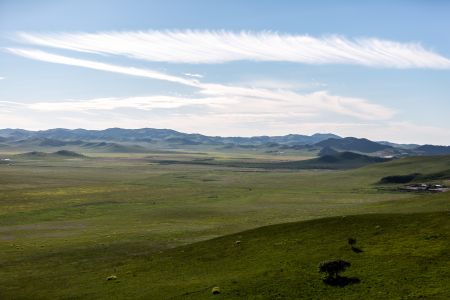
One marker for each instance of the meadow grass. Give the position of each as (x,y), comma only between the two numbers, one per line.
(66,224)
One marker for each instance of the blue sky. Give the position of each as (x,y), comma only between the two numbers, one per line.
(379,70)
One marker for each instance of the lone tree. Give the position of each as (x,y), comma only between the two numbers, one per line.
(332,268)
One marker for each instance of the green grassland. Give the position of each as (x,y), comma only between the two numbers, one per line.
(66,223)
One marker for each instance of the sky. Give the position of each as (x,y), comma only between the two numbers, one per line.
(373,69)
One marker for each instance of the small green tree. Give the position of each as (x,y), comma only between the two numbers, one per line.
(332,268)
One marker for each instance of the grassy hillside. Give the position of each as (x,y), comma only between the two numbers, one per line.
(67,224)
(403,257)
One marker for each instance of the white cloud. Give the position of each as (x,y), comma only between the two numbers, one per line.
(203,46)
(255,107)
(194,75)
(274,84)
(229,104)
(216,116)
(142,103)
(10,106)
(261,104)
(60,59)
(250,98)
(1,78)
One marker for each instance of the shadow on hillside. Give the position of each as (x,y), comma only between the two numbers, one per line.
(356,250)
(341,281)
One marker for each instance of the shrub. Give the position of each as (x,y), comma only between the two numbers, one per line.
(399,178)
(332,268)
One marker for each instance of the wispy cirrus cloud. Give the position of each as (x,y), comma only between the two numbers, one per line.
(111,103)
(204,46)
(232,105)
(65,60)
(246,99)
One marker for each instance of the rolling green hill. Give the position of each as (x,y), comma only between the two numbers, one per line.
(403,256)
(400,256)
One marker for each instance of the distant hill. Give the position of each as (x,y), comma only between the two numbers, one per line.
(33,154)
(15,133)
(295,139)
(341,160)
(150,135)
(57,154)
(146,139)
(68,153)
(432,150)
(353,144)
(338,161)
(399,146)
(114,147)
(44,142)
(48,143)
(182,141)
(327,151)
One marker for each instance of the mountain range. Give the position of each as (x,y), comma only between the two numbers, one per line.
(146,139)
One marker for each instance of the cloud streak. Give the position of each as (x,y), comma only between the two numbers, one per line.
(210,47)
(233,123)
(232,105)
(60,59)
(142,103)
(239,98)
(193,75)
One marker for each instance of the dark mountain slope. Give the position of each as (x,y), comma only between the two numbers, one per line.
(327,151)
(353,144)
(432,150)
(42,155)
